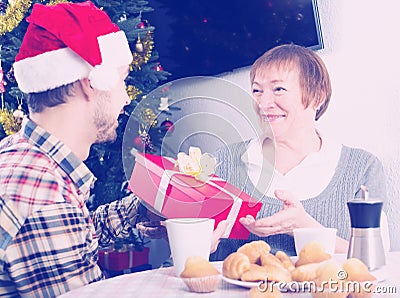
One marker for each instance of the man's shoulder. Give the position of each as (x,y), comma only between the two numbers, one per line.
(15,150)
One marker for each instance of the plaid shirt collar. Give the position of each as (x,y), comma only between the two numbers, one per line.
(60,153)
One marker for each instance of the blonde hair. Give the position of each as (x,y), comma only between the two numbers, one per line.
(313,75)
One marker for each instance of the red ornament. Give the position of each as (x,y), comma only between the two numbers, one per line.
(141,25)
(167,125)
(158,67)
(138,143)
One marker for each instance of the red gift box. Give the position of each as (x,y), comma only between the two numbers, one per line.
(122,259)
(157,181)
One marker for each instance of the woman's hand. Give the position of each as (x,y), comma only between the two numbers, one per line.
(292,215)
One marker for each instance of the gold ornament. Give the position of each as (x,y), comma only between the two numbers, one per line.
(149,117)
(139,45)
(140,58)
(133,92)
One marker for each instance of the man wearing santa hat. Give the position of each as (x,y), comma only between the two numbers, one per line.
(72,65)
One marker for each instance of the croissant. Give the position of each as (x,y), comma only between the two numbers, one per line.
(328,271)
(312,252)
(306,272)
(357,271)
(235,265)
(276,271)
(285,260)
(254,250)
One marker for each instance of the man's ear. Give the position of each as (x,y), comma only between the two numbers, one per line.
(87,90)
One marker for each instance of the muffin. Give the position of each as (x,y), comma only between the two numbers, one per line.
(200,275)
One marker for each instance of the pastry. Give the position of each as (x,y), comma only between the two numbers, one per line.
(332,272)
(358,273)
(200,275)
(269,292)
(276,271)
(254,250)
(198,267)
(235,265)
(285,260)
(306,272)
(255,273)
(312,252)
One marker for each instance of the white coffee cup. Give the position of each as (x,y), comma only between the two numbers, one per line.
(326,236)
(189,237)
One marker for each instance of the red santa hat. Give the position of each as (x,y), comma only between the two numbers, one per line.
(67,42)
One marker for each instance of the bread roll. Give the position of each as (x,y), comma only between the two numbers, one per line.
(358,272)
(276,271)
(198,267)
(306,272)
(235,265)
(329,271)
(312,252)
(254,250)
(285,260)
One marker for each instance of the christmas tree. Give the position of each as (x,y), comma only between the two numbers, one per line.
(146,74)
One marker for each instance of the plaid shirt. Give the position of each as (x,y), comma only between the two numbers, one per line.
(48,239)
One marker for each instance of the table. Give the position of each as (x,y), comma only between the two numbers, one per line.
(163,283)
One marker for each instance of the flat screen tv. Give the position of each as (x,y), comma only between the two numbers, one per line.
(211,37)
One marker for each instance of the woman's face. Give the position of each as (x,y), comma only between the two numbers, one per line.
(278,102)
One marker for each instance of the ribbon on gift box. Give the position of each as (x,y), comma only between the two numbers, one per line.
(166,179)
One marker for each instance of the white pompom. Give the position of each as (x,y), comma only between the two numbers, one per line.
(104,77)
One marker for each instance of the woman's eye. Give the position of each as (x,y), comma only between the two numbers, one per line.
(279,89)
(255,91)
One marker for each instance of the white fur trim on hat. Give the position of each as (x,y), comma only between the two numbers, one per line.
(50,70)
(63,66)
(105,76)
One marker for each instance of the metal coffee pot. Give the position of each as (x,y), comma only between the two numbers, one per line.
(366,240)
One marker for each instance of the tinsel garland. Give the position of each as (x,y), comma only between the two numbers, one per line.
(10,124)
(133,92)
(15,13)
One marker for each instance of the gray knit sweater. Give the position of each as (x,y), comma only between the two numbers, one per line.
(356,167)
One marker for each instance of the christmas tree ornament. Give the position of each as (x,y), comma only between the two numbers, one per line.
(158,67)
(7,120)
(139,45)
(143,141)
(163,104)
(138,144)
(133,92)
(140,58)
(167,125)
(18,114)
(141,25)
(149,117)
